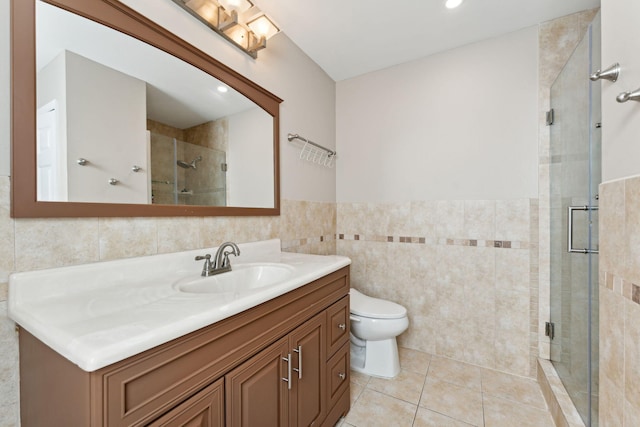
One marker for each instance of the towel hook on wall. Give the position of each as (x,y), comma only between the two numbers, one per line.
(612,73)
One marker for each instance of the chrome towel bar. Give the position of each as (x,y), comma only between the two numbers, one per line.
(314,152)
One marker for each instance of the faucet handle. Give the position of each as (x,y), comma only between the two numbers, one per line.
(206,268)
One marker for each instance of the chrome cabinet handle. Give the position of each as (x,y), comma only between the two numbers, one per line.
(342,375)
(113,181)
(570,247)
(342,326)
(82,162)
(299,368)
(288,379)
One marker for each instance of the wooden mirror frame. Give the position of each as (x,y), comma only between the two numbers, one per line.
(119,17)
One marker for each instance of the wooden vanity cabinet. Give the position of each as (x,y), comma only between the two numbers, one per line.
(229,373)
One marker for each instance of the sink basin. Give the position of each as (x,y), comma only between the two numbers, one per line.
(243,278)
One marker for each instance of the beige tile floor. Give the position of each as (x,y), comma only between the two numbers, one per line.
(432,391)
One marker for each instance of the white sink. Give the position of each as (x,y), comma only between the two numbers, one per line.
(242,278)
(101,313)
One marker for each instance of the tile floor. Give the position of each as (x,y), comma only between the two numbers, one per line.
(432,391)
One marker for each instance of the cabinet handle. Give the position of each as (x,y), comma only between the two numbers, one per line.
(342,375)
(288,379)
(299,368)
(342,326)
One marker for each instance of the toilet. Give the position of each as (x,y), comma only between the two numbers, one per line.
(375,324)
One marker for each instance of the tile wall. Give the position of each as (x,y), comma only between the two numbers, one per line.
(29,244)
(619,293)
(466,270)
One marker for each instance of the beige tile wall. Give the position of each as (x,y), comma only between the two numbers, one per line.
(462,268)
(29,244)
(619,293)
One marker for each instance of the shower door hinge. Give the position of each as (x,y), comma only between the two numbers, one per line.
(223,167)
(549,329)
(550,117)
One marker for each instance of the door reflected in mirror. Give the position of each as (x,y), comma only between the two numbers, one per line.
(120,121)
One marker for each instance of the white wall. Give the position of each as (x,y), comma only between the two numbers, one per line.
(106,124)
(620,122)
(457,125)
(250,159)
(283,69)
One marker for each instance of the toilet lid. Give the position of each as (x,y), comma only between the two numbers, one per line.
(366,306)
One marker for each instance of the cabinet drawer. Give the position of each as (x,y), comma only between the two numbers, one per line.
(338,369)
(338,325)
(205,409)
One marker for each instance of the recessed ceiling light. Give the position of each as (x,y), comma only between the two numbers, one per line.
(223,89)
(451,4)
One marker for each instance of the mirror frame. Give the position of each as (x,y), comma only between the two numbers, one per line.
(119,17)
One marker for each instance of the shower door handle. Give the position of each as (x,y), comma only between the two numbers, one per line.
(570,247)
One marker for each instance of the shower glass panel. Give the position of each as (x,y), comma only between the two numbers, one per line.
(575,175)
(187,174)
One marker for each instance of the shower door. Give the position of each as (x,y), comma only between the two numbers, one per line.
(575,175)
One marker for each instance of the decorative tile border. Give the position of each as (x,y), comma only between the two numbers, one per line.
(293,243)
(504,244)
(617,284)
(500,244)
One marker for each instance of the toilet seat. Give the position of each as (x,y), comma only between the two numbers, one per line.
(366,306)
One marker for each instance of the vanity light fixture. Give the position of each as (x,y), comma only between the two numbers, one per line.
(239,6)
(452,4)
(228,18)
(263,27)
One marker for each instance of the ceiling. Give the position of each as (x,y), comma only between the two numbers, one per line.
(348,38)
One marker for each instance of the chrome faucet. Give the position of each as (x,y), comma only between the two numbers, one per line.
(220,263)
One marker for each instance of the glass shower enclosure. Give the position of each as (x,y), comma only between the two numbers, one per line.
(183,173)
(575,121)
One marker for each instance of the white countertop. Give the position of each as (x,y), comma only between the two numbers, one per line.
(100,313)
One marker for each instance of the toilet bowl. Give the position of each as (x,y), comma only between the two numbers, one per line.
(375,324)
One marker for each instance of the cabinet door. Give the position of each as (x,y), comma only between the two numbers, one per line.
(338,325)
(308,346)
(205,409)
(256,394)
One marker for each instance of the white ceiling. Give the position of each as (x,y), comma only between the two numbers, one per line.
(348,38)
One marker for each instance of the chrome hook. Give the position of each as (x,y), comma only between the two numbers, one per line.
(629,96)
(610,73)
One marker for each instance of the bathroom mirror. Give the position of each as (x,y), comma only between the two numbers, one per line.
(115,116)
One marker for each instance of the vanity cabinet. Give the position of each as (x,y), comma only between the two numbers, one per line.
(228,373)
